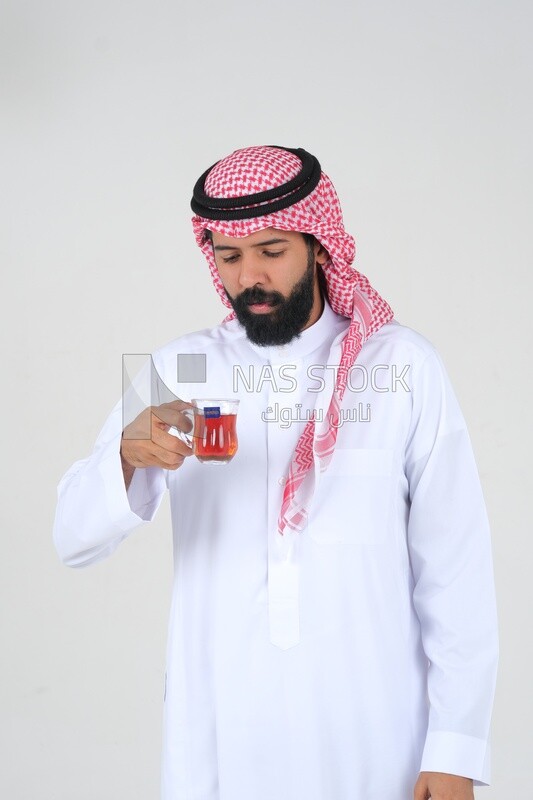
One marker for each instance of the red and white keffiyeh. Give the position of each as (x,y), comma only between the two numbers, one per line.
(259,169)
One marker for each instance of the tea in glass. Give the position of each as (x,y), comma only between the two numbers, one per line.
(215,430)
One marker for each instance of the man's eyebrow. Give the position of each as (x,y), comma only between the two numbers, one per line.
(259,244)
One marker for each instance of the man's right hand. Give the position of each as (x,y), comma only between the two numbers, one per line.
(146,441)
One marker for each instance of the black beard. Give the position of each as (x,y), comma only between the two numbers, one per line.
(289,315)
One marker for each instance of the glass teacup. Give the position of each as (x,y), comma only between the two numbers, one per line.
(214,432)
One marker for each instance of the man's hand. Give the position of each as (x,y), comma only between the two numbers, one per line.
(441,786)
(147,443)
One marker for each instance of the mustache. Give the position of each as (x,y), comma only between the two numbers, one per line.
(256,295)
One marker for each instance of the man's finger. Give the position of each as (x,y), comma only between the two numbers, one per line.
(163,458)
(170,442)
(156,456)
(173,417)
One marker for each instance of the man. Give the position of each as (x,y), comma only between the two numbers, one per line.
(333,628)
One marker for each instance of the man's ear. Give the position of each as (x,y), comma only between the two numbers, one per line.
(321,254)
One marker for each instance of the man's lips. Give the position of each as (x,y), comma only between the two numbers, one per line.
(260,308)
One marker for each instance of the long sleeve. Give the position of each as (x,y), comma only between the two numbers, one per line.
(94,512)
(450,553)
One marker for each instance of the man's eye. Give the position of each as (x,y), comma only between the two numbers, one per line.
(273,253)
(230,259)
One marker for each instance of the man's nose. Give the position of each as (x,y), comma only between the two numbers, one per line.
(252,272)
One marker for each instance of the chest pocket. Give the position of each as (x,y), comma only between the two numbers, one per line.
(353,498)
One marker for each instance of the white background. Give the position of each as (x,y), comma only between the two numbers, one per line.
(421,113)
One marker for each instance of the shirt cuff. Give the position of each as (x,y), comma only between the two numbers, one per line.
(127,509)
(145,491)
(457,754)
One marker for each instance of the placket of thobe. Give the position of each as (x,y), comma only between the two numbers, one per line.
(283,566)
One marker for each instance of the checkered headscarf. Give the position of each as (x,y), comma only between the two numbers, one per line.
(255,171)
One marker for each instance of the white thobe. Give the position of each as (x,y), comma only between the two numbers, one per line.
(336,663)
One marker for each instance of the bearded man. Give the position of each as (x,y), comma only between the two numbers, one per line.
(333,629)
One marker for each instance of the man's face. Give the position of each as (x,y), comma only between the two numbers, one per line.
(271,281)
